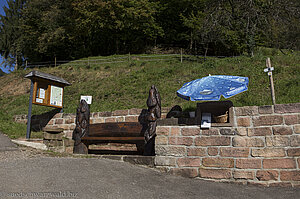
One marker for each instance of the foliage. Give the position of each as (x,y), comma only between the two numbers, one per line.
(117,26)
(39,30)
(47,30)
(10,32)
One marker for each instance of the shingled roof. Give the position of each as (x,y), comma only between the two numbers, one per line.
(47,77)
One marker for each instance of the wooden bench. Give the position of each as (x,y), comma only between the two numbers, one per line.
(142,134)
(119,132)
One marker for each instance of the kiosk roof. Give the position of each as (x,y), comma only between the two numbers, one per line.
(46,76)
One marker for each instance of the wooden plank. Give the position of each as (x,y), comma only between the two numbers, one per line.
(112,138)
(120,129)
(121,126)
(268,64)
(114,134)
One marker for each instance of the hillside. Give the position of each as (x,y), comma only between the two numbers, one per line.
(125,85)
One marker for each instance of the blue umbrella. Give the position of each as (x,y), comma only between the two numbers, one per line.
(212,87)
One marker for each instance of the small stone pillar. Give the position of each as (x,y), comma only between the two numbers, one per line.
(53,139)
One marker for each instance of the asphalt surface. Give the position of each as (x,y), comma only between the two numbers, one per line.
(69,177)
(6,144)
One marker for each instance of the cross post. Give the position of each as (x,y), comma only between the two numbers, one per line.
(269,70)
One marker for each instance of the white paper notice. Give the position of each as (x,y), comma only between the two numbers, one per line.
(206,120)
(42,93)
(56,96)
(39,100)
(88,99)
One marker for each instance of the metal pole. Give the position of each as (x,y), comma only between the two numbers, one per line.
(29,111)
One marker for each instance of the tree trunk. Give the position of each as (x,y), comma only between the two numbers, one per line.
(206,49)
(117,46)
(191,42)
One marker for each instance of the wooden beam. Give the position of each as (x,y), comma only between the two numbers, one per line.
(113,138)
(268,64)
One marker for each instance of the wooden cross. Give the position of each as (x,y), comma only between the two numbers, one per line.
(269,70)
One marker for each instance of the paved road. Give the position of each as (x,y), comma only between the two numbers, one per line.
(26,173)
(101,178)
(6,144)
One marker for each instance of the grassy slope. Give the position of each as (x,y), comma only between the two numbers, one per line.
(125,85)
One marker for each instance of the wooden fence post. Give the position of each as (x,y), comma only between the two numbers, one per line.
(181,55)
(269,69)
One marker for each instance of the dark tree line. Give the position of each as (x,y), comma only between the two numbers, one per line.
(38,30)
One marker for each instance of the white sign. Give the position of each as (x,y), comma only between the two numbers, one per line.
(39,100)
(42,93)
(206,120)
(56,96)
(88,99)
(268,69)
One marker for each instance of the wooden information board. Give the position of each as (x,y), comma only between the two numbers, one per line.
(48,94)
(45,90)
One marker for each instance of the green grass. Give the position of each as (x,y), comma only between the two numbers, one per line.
(126,85)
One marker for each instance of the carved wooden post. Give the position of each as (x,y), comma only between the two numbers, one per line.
(82,127)
(154,113)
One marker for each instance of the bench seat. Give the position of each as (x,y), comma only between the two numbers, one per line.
(113,138)
(116,132)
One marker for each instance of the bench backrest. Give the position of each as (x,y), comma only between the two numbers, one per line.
(116,129)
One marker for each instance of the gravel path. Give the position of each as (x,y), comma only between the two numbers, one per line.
(23,153)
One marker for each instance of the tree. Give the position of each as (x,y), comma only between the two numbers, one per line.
(236,22)
(39,30)
(283,29)
(10,32)
(116,26)
(180,21)
(47,30)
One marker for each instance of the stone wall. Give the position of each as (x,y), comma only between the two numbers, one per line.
(67,120)
(262,147)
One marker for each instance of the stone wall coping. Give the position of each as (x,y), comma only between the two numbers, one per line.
(239,111)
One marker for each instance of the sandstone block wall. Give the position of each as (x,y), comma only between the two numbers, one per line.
(262,147)
(67,120)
